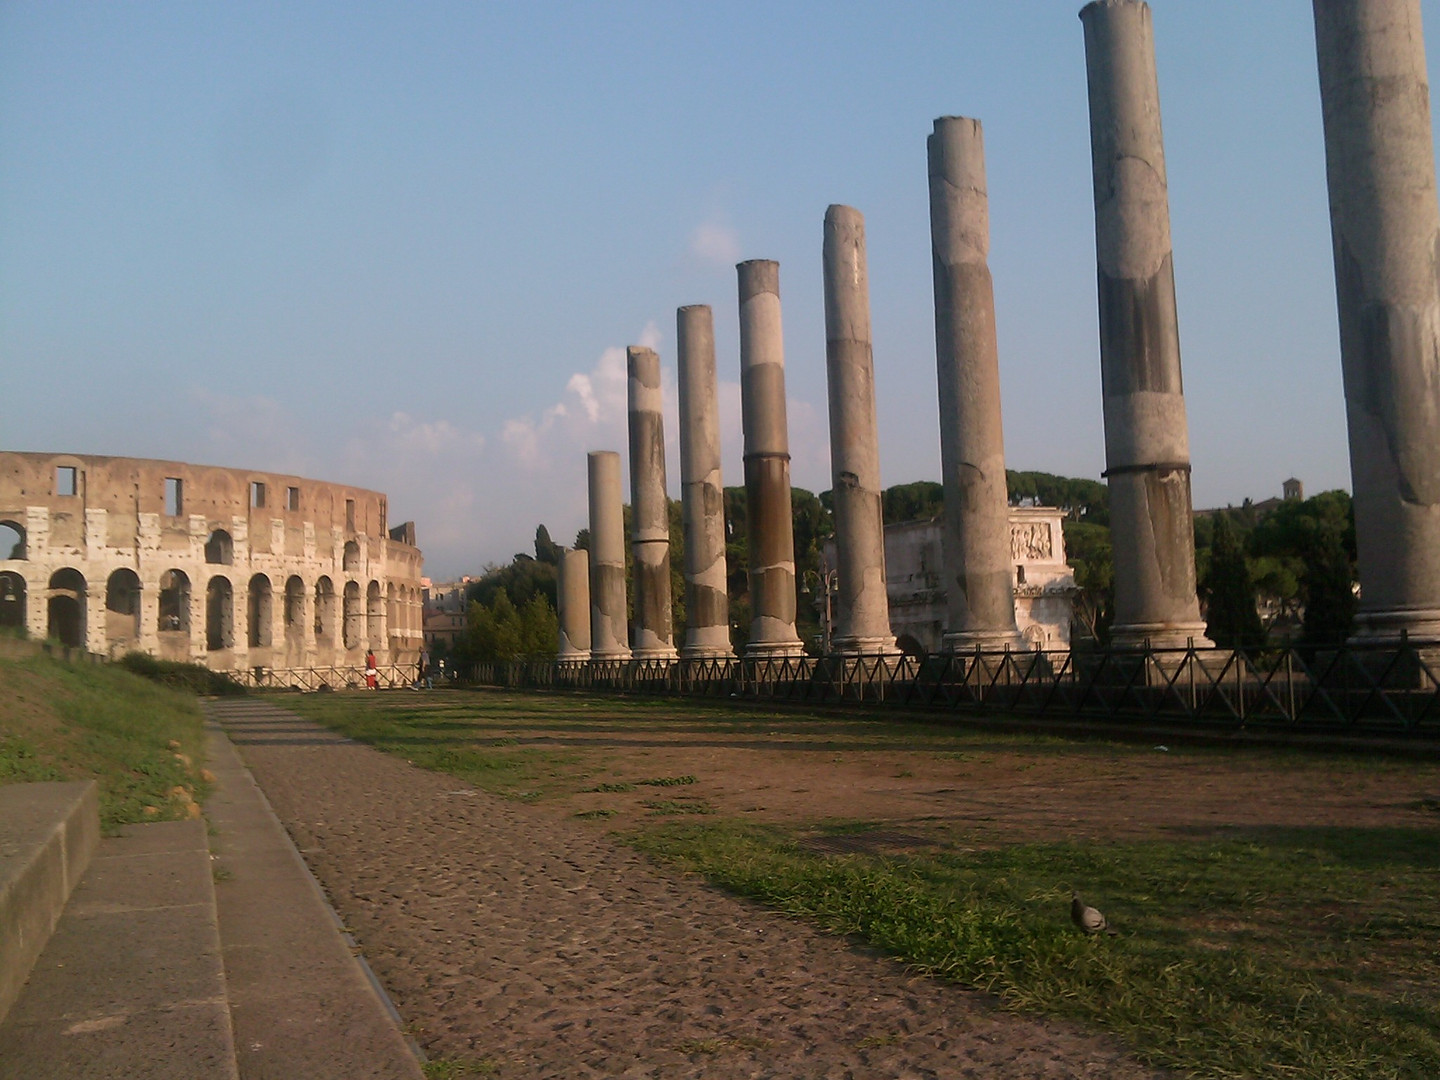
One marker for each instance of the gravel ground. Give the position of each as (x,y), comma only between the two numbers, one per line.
(541,948)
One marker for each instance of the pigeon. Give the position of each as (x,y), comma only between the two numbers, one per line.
(1086,917)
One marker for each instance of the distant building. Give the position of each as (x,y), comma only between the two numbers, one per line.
(1044,584)
(1293,489)
(445,612)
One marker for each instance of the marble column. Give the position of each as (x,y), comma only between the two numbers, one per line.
(1385,224)
(1147,442)
(862,623)
(574,596)
(976,539)
(771,526)
(702,494)
(653,637)
(607,559)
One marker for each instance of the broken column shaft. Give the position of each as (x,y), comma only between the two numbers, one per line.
(862,622)
(573,593)
(707,601)
(653,637)
(1147,443)
(980,593)
(607,559)
(771,529)
(1385,225)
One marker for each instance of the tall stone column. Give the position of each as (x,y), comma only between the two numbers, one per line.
(574,596)
(1147,442)
(607,559)
(654,637)
(771,527)
(1386,230)
(976,539)
(702,494)
(862,622)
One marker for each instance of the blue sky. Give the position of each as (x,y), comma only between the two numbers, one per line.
(404,245)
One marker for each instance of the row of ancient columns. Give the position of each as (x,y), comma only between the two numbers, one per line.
(1386,228)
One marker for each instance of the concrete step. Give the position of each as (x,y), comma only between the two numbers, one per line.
(48,835)
(131,983)
(302,1004)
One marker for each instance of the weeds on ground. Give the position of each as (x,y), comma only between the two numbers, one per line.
(1276,954)
(191,677)
(143,743)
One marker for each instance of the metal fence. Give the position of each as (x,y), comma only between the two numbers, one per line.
(388,677)
(1344,689)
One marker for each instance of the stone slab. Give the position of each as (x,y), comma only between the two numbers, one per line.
(48,835)
(132,983)
(300,1002)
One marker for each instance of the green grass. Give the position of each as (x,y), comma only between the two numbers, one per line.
(59,722)
(1281,953)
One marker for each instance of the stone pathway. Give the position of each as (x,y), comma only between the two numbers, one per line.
(545,949)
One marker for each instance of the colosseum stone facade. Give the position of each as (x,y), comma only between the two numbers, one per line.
(232,569)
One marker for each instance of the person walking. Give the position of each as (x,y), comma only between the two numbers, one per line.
(425,675)
(372,673)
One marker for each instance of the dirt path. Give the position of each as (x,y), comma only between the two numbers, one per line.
(544,949)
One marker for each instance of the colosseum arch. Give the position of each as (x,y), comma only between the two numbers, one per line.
(65,607)
(12,600)
(294,606)
(144,516)
(374,615)
(122,610)
(12,540)
(174,614)
(353,616)
(260,612)
(324,611)
(219,614)
(220,549)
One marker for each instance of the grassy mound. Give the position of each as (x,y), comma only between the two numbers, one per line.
(143,742)
(191,677)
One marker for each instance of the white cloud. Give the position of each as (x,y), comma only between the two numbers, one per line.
(715,243)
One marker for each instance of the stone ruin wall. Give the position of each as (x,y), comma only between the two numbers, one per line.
(254,570)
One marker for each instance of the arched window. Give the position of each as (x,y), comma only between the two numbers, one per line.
(12,540)
(174,602)
(12,600)
(220,549)
(351,559)
(294,605)
(324,611)
(374,615)
(219,615)
(259,615)
(354,618)
(392,607)
(122,606)
(65,615)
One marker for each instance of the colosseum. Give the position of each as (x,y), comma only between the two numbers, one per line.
(232,569)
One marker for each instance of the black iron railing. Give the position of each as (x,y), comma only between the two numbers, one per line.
(1348,688)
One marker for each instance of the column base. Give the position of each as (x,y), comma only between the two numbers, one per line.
(1394,626)
(774,650)
(864,646)
(654,654)
(984,640)
(579,656)
(618,654)
(707,652)
(1160,636)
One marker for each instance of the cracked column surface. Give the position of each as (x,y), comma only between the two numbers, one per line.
(1385,226)
(607,559)
(862,623)
(979,590)
(653,637)
(702,494)
(574,596)
(1147,442)
(771,527)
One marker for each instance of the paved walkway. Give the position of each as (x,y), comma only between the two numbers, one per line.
(543,949)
